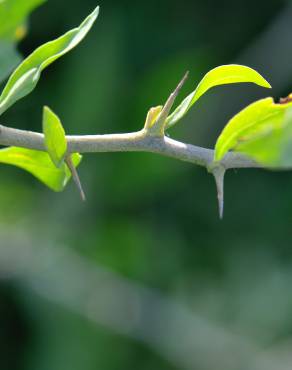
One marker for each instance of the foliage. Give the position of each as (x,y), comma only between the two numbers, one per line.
(262,131)
(22,81)
(223,75)
(40,165)
(55,139)
(25,78)
(13,14)
(149,218)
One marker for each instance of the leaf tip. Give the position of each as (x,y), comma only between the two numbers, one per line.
(266,84)
(54,136)
(46,109)
(96,11)
(47,114)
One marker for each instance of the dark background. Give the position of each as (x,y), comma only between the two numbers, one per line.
(150,219)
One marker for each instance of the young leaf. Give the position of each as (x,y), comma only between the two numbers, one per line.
(55,139)
(26,76)
(227,74)
(259,121)
(39,165)
(274,148)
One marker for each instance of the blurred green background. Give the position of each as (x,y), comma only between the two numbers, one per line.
(144,275)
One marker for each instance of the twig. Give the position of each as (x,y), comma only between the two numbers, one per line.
(131,142)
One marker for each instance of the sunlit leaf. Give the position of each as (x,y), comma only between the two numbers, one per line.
(273,149)
(247,122)
(262,131)
(55,139)
(227,74)
(26,76)
(39,164)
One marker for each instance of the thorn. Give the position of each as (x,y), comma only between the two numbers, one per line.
(158,126)
(170,101)
(219,173)
(180,85)
(75,177)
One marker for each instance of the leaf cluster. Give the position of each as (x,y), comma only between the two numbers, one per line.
(51,167)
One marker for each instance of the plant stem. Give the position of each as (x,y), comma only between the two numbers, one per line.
(130,142)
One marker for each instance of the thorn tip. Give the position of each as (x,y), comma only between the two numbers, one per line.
(75,177)
(219,173)
(181,83)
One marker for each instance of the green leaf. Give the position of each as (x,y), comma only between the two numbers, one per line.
(26,76)
(248,122)
(13,14)
(262,131)
(39,165)
(274,148)
(9,58)
(13,27)
(55,139)
(227,74)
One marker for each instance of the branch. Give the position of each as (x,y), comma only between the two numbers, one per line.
(138,141)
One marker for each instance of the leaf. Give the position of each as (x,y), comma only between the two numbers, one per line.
(274,149)
(9,58)
(13,19)
(261,131)
(226,74)
(56,144)
(249,121)
(55,140)
(13,14)
(39,165)
(26,76)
